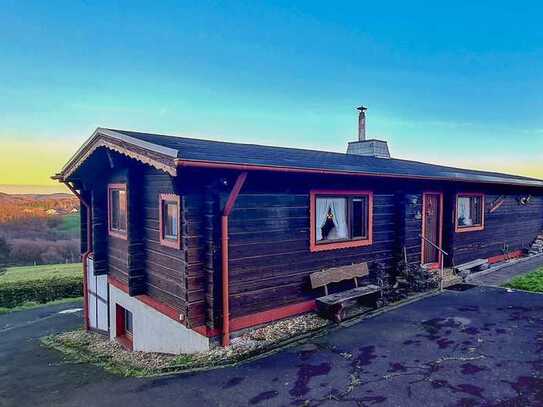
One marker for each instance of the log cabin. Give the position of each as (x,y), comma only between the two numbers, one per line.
(186,241)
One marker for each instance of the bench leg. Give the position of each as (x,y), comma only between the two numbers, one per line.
(339,313)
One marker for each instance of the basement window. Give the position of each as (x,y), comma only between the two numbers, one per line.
(470,212)
(124,326)
(170,215)
(128,323)
(340,219)
(117,210)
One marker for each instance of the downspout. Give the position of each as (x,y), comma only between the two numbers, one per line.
(86,254)
(240,181)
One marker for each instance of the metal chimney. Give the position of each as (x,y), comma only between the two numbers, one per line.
(362,123)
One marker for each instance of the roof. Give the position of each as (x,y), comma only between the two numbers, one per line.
(190,151)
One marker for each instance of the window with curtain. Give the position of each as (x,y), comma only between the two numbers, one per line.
(341,218)
(170,212)
(118,209)
(469,212)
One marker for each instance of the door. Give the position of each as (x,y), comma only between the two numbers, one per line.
(98,306)
(432,203)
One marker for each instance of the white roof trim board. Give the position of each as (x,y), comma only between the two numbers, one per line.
(96,141)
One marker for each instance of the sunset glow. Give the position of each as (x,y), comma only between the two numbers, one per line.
(280,74)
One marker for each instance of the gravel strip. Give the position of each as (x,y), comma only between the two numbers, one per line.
(94,348)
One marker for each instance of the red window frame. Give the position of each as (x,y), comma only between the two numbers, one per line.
(166,241)
(474,228)
(115,232)
(123,337)
(317,247)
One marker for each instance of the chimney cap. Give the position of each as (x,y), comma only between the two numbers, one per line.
(362,108)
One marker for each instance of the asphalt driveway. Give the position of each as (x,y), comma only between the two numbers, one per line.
(483,346)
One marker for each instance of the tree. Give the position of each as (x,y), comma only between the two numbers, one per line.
(5,251)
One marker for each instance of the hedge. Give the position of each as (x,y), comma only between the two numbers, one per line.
(13,294)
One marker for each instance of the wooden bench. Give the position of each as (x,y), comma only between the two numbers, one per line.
(474,264)
(333,305)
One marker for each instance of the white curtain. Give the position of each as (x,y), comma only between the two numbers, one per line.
(464,211)
(322,210)
(339,210)
(338,207)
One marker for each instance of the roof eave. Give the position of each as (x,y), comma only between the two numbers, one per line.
(87,148)
(257,167)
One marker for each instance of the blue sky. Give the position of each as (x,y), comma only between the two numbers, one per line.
(460,84)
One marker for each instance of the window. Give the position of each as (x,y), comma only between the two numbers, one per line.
(117,208)
(170,211)
(128,323)
(470,212)
(340,219)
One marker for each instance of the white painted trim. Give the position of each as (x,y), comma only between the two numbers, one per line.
(140,143)
(165,151)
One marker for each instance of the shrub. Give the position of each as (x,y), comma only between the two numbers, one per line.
(16,293)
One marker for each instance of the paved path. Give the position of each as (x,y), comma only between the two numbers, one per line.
(479,347)
(498,278)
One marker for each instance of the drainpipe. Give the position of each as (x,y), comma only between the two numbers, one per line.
(240,181)
(86,254)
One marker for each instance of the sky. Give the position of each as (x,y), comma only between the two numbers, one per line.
(458,84)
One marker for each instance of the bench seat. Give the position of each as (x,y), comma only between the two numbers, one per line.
(471,265)
(348,295)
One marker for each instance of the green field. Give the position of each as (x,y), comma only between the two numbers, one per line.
(529,282)
(71,223)
(29,273)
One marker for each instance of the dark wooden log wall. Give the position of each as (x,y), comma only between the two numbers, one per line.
(511,227)
(165,267)
(269,252)
(270,260)
(83,212)
(409,220)
(136,249)
(117,248)
(99,229)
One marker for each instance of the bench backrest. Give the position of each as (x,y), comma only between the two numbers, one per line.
(338,274)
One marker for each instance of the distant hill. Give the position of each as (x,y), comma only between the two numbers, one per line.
(23,206)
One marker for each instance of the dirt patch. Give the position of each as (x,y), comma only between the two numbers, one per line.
(97,349)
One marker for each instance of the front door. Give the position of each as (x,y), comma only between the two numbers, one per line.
(432,203)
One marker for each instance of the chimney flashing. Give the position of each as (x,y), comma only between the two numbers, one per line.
(367,147)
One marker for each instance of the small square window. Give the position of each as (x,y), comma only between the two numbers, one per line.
(469,212)
(340,219)
(170,212)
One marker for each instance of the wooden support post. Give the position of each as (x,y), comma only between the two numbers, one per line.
(240,181)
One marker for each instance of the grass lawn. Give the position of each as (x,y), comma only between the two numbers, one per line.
(529,282)
(29,273)
(28,287)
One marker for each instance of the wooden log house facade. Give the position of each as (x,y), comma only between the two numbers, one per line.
(188,240)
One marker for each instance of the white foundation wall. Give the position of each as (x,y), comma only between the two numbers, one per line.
(153,331)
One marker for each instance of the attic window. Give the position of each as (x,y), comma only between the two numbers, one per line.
(470,212)
(340,219)
(117,210)
(170,214)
